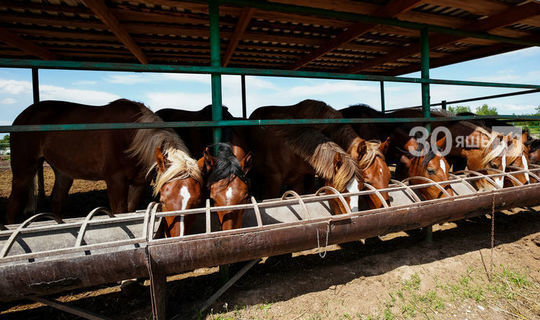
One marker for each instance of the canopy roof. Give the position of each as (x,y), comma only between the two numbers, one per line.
(316,35)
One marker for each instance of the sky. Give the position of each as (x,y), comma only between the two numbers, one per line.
(192,91)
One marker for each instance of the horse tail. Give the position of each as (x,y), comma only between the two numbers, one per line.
(40,182)
(31,205)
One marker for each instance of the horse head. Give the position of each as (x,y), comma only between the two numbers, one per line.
(227,182)
(347,178)
(430,165)
(374,169)
(517,158)
(179,184)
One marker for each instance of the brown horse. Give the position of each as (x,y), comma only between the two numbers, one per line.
(368,155)
(429,165)
(120,157)
(226,172)
(286,155)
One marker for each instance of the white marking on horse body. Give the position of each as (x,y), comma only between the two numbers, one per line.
(228,194)
(443,166)
(526,167)
(353,187)
(185,196)
(380,170)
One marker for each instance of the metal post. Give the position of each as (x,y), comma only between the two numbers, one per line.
(35,84)
(443,104)
(382,97)
(244,104)
(424,44)
(215,61)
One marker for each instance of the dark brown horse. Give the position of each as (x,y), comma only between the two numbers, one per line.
(285,155)
(368,155)
(122,158)
(225,172)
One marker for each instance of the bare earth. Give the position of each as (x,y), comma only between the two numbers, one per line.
(395,277)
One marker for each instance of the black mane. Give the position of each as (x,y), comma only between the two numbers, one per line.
(227,166)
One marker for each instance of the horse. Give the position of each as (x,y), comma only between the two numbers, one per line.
(225,172)
(534,151)
(285,155)
(430,164)
(368,155)
(122,158)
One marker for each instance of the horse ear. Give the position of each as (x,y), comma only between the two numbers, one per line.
(161,161)
(362,148)
(441,142)
(383,147)
(247,162)
(405,160)
(337,162)
(209,160)
(525,137)
(411,145)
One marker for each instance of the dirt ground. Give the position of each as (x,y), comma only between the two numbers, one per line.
(397,276)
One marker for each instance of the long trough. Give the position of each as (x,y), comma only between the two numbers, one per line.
(46,257)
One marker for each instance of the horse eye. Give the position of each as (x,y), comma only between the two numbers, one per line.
(431,171)
(493,165)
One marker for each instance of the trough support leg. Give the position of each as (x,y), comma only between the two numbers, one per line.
(158,289)
(73,310)
(424,59)
(229,283)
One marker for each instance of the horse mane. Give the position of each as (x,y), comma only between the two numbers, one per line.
(534,145)
(515,150)
(227,166)
(319,151)
(146,141)
(372,152)
(495,151)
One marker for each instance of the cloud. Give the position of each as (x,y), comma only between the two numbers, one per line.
(177,100)
(14,86)
(127,79)
(8,101)
(92,97)
(186,77)
(85,83)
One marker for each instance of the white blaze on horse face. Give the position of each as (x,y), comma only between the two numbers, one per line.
(353,187)
(526,167)
(185,197)
(380,170)
(443,166)
(228,194)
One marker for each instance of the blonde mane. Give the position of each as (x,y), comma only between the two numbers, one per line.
(493,149)
(145,143)
(515,150)
(372,152)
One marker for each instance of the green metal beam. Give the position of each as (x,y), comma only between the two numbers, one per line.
(215,61)
(232,123)
(356,17)
(77,65)
(424,71)
(502,95)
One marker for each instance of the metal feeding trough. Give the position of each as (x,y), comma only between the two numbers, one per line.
(46,257)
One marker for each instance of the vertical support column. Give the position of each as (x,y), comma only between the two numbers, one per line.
(443,104)
(424,51)
(383,107)
(244,103)
(41,180)
(35,84)
(215,61)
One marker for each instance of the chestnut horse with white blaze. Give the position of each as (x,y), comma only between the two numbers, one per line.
(122,158)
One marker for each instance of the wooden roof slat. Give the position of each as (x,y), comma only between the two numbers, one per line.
(479,7)
(355,30)
(107,17)
(11,38)
(243,21)
(495,21)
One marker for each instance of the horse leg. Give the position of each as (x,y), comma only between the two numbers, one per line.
(135,194)
(22,191)
(59,194)
(117,191)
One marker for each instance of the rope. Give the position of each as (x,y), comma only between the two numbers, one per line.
(323,254)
